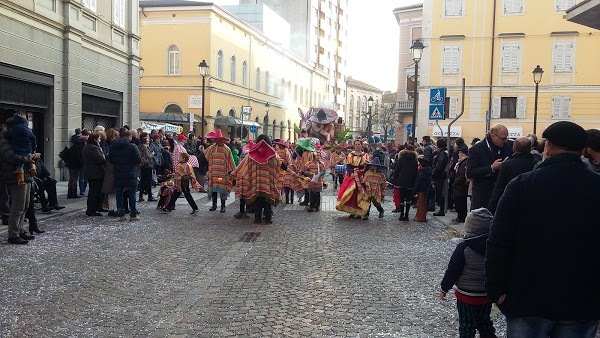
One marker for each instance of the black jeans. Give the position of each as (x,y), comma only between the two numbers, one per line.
(47,186)
(460,204)
(260,204)
(188,198)
(439,192)
(94,198)
(314,200)
(146,182)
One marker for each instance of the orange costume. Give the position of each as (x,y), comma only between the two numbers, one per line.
(351,197)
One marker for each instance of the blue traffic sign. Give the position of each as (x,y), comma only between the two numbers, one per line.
(437,95)
(392,132)
(253,129)
(436,111)
(409,128)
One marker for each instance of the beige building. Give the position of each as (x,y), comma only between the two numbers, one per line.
(67,65)
(246,71)
(410,23)
(358,110)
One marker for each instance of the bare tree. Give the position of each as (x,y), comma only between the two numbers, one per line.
(387,118)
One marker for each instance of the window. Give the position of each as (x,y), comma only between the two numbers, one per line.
(453,7)
(267,83)
(511,57)
(563,5)
(220,64)
(451,59)
(301,95)
(513,6)
(258,79)
(245,74)
(174,60)
(563,57)
(351,105)
(119,13)
(561,107)
(508,108)
(295,93)
(416,33)
(358,104)
(90,4)
(364,102)
(232,69)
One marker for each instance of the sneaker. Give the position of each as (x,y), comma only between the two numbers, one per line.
(134,218)
(194,212)
(122,219)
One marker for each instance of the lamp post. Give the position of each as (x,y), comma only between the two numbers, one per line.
(537,78)
(266,126)
(417,52)
(370,119)
(204,73)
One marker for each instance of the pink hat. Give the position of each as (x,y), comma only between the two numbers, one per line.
(261,152)
(217,135)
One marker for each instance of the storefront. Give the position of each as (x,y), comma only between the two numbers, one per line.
(100,107)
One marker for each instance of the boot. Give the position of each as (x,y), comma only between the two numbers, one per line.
(287,196)
(421,208)
(105,204)
(401,211)
(32,168)
(441,212)
(291,196)
(20,176)
(33,228)
(242,213)
(406,210)
(223,205)
(214,202)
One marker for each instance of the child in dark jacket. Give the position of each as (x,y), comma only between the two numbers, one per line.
(466,272)
(22,142)
(422,187)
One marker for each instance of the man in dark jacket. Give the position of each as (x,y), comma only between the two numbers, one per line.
(46,185)
(125,157)
(522,161)
(440,174)
(404,176)
(485,159)
(428,148)
(542,249)
(19,194)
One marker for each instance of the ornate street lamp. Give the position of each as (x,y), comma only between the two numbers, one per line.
(267,106)
(417,52)
(204,73)
(370,120)
(537,78)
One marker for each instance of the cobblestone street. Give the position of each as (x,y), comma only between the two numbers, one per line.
(307,274)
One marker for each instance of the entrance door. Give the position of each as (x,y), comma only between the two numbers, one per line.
(36,119)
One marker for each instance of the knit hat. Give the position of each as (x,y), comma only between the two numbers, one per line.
(464,150)
(566,134)
(478,222)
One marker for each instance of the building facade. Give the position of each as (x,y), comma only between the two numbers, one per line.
(247,71)
(67,65)
(410,23)
(357,114)
(495,49)
(319,34)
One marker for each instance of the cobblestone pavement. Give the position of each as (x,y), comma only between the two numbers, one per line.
(307,274)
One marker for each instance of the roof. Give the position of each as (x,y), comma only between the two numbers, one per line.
(409,7)
(353,82)
(172,3)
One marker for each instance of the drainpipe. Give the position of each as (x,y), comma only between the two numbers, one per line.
(487,122)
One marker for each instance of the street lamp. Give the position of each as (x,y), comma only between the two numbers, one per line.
(141,72)
(417,52)
(267,106)
(266,127)
(370,120)
(204,73)
(537,78)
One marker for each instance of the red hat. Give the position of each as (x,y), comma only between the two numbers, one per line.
(181,138)
(281,143)
(261,152)
(217,135)
(155,136)
(248,146)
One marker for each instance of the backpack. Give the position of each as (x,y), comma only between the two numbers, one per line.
(65,154)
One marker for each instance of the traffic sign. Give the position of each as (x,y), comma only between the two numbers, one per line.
(437,95)
(409,128)
(253,129)
(392,132)
(436,111)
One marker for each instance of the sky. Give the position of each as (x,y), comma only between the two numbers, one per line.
(372,40)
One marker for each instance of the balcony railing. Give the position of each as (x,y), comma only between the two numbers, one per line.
(404,105)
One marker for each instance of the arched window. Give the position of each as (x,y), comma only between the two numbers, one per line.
(358,105)
(232,112)
(219,112)
(267,83)
(351,103)
(258,79)
(295,93)
(174,62)
(365,104)
(245,74)
(220,64)
(357,122)
(173,109)
(232,69)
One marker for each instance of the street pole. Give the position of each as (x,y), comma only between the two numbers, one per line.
(535,109)
(369,121)
(203,99)
(415,102)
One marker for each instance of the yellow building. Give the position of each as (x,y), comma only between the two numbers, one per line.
(246,70)
(496,48)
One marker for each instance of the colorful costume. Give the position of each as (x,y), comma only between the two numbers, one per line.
(220,165)
(315,171)
(289,183)
(184,177)
(351,197)
(374,184)
(304,149)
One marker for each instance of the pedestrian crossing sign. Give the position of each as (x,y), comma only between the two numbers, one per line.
(436,112)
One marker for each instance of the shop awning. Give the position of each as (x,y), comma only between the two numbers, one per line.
(585,13)
(164,117)
(233,122)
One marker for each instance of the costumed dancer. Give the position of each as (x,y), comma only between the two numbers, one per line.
(241,186)
(259,171)
(220,166)
(304,148)
(374,185)
(315,171)
(184,177)
(166,189)
(337,166)
(351,197)
(285,155)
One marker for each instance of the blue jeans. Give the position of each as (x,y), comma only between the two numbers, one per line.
(82,182)
(119,187)
(538,327)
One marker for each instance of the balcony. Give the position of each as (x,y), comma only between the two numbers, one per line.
(404,106)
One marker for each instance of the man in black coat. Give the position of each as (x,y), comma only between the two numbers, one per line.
(521,161)
(485,159)
(125,157)
(440,174)
(542,251)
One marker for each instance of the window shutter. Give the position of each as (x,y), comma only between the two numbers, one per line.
(560,5)
(568,57)
(496,107)
(446,64)
(515,61)
(556,106)
(506,58)
(453,111)
(456,60)
(565,107)
(521,107)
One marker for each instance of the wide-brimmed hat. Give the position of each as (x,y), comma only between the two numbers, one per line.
(261,152)
(217,135)
(376,163)
(304,145)
(248,146)
(322,115)
(281,143)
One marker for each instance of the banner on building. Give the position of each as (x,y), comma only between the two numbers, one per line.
(169,128)
(515,132)
(455,131)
